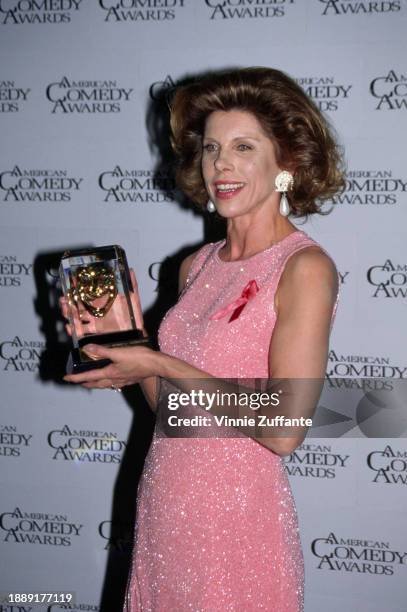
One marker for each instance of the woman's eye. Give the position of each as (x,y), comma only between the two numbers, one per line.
(244,147)
(209,147)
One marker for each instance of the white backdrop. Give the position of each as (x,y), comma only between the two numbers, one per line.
(79,81)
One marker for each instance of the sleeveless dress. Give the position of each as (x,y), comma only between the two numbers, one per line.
(216,526)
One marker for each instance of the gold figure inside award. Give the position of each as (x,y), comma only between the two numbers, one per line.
(92,283)
(99,293)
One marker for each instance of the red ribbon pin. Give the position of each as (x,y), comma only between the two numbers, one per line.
(237,306)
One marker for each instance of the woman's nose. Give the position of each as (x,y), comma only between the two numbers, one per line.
(223,160)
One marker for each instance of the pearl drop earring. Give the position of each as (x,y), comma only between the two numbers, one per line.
(210,207)
(284,181)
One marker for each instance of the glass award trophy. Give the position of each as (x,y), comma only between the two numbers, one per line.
(99,294)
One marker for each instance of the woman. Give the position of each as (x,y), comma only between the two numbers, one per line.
(216,524)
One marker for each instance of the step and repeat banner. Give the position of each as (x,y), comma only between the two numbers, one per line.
(84,162)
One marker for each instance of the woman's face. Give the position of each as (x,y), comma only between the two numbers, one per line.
(238,163)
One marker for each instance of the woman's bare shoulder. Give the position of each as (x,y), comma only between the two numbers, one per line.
(311,261)
(309,271)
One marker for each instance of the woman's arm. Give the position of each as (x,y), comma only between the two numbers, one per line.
(304,304)
(150,387)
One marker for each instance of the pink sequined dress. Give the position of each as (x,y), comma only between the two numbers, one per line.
(216,527)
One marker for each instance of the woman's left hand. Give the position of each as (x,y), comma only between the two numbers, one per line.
(129,366)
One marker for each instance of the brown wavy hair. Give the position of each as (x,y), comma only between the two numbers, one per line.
(301,135)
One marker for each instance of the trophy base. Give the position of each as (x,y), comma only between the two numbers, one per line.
(79,362)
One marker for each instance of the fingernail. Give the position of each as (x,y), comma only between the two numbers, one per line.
(91,350)
(90,347)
